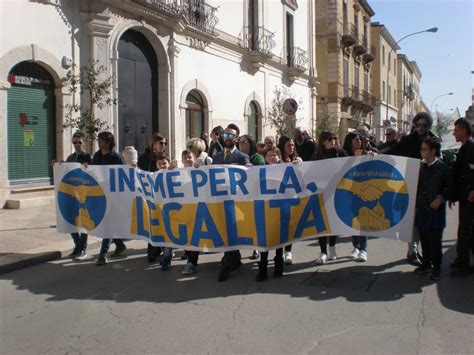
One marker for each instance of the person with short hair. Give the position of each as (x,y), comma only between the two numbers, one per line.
(435,187)
(410,147)
(106,155)
(304,147)
(163,162)
(198,147)
(261,148)
(217,141)
(187,158)
(79,156)
(464,178)
(273,157)
(391,140)
(230,155)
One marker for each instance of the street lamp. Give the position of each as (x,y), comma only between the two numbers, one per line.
(437,97)
(432,30)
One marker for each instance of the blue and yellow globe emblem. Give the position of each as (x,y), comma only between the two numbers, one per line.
(372,196)
(81,200)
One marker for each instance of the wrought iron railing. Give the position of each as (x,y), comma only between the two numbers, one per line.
(200,15)
(259,39)
(296,58)
(172,7)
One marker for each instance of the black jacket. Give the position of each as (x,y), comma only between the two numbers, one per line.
(82,157)
(112,158)
(305,151)
(147,161)
(409,146)
(328,154)
(464,171)
(434,181)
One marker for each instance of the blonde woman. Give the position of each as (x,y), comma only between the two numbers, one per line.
(198,147)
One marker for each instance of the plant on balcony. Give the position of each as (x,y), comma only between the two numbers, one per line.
(94,86)
(276,118)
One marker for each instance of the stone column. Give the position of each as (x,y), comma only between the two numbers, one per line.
(4,86)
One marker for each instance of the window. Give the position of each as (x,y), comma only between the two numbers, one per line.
(383,90)
(253,24)
(253,120)
(366,81)
(289,39)
(394,66)
(194,115)
(383,55)
(345,74)
(389,94)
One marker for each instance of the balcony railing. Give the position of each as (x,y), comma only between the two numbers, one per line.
(296,58)
(258,39)
(365,97)
(172,7)
(200,15)
(349,34)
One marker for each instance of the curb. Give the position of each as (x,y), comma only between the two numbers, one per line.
(17,261)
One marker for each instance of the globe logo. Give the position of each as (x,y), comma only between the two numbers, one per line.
(81,200)
(372,196)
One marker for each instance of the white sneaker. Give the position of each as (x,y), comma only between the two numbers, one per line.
(321,259)
(287,257)
(332,253)
(354,254)
(189,269)
(362,256)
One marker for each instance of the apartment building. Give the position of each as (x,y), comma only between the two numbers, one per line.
(384,79)
(344,59)
(179,67)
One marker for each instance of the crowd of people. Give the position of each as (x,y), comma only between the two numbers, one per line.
(439,184)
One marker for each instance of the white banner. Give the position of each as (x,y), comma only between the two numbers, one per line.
(230,207)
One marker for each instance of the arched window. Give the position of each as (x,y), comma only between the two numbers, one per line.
(194,115)
(253,120)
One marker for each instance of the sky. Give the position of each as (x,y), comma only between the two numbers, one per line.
(445,58)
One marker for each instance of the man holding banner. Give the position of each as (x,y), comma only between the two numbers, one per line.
(230,155)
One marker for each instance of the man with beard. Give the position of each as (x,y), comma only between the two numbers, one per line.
(304,147)
(410,146)
(230,155)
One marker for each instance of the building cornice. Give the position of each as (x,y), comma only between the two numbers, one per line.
(387,36)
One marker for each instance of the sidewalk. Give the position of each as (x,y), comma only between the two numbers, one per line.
(28,237)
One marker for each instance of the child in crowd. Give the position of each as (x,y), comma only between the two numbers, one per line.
(163,162)
(189,161)
(273,157)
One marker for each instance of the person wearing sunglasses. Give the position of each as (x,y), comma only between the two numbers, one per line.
(410,147)
(390,140)
(156,145)
(147,162)
(79,156)
(230,155)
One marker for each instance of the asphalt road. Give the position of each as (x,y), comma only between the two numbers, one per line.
(131,307)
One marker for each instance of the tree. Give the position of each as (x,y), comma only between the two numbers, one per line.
(95,91)
(441,127)
(276,118)
(326,121)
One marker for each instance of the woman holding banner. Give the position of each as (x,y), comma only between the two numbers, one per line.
(287,147)
(147,162)
(326,150)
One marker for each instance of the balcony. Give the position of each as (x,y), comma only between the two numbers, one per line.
(355,94)
(370,56)
(296,58)
(349,35)
(200,16)
(169,7)
(258,39)
(361,46)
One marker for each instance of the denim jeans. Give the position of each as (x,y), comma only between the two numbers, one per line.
(80,241)
(360,242)
(167,255)
(106,245)
(323,243)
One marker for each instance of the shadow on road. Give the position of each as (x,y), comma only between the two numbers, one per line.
(132,279)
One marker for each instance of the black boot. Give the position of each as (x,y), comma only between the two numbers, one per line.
(279,266)
(262,270)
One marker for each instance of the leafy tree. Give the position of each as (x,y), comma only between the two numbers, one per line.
(276,118)
(95,90)
(326,121)
(441,128)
